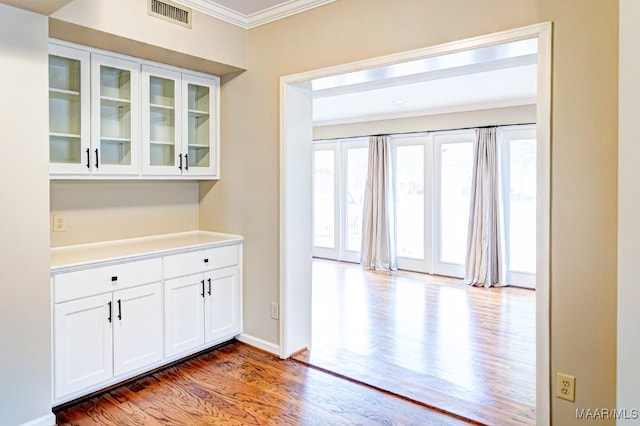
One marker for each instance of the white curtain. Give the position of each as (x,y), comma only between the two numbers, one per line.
(378,250)
(484,265)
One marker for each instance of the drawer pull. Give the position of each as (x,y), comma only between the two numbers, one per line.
(206,260)
(114,279)
(119,310)
(202,294)
(209,286)
(109,318)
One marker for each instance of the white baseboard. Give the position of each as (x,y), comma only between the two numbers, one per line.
(46,420)
(259,343)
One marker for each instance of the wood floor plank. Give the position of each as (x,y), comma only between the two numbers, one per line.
(467,350)
(241,385)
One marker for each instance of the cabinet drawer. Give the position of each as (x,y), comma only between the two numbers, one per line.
(72,285)
(199,261)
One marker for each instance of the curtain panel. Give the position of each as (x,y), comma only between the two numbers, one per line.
(484,265)
(378,250)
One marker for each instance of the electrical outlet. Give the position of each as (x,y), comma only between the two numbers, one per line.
(59,223)
(275,311)
(566,387)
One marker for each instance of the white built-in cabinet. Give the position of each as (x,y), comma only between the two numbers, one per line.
(115,319)
(115,106)
(179,123)
(200,307)
(114,116)
(69,116)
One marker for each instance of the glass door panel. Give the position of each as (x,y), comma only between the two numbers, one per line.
(522,206)
(324,206)
(115,116)
(356,163)
(115,121)
(410,202)
(199,132)
(198,126)
(454,154)
(68,110)
(162,121)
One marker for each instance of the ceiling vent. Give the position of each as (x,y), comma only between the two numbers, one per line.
(170,11)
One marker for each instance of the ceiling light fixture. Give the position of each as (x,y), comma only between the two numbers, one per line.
(397,102)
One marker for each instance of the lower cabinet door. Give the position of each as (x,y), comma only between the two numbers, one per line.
(82,343)
(137,328)
(183,314)
(222,313)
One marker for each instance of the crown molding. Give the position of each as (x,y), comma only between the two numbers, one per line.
(283,10)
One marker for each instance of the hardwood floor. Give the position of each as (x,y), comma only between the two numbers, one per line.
(241,385)
(466,350)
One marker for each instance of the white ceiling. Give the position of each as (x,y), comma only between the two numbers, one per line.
(490,77)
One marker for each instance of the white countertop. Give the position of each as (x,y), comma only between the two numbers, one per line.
(77,256)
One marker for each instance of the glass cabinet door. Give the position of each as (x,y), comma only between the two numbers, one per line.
(199,132)
(115,115)
(68,110)
(161,122)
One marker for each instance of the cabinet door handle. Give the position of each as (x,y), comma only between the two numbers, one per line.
(186,162)
(109,311)
(180,162)
(97,162)
(119,310)
(88,159)
(209,286)
(206,260)
(202,294)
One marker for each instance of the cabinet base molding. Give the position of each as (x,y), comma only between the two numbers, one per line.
(259,343)
(46,420)
(107,389)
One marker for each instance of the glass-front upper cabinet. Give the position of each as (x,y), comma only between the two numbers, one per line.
(179,123)
(199,133)
(115,123)
(69,116)
(115,116)
(161,122)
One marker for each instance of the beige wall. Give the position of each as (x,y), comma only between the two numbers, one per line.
(485,117)
(584,152)
(98,211)
(25,300)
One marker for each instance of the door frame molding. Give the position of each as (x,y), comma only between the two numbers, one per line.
(295,198)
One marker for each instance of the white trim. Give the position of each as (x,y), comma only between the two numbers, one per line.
(543,32)
(259,343)
(46,420)
(543,249)
(280,11)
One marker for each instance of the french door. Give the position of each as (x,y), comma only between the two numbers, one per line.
(432,174)
(339,178)
(433,185)
(518,160)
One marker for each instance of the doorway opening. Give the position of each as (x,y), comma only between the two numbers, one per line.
(295,199)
